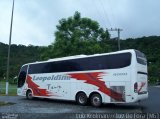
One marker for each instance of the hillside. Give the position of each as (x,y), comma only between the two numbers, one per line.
(151,47)
(21,54)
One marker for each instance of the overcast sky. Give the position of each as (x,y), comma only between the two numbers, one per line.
(35,20)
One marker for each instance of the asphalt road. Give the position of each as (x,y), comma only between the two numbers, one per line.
(152,104)
(47,109)
(42,108)
(22,105)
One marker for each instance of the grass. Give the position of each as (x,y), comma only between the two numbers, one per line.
(6,103)
(2,103)
(11,91)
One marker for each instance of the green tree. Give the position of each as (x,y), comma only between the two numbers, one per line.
(76,35)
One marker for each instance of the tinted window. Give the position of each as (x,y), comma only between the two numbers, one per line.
(22,76)
(113,61)
(141,58)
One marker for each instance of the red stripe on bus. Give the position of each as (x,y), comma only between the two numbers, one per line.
(37,91)
(142,85)
(94,79)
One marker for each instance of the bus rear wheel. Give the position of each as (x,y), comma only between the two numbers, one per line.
(96,100)
(81,98)
(29,95)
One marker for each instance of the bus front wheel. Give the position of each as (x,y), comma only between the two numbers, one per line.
(29,95)
(81,98)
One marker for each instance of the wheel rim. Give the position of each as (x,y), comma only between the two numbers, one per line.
(29,95)
(96,101)
(82,99)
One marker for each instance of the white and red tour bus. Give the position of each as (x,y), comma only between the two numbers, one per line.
(116,77)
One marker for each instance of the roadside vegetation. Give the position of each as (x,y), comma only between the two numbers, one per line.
(2,103)
(77,35)
(5,103)
(11,91)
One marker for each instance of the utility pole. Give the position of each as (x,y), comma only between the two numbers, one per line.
(118,38)
(10,36)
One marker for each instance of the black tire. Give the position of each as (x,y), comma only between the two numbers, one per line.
(81,99)
(29,95)
(96,100)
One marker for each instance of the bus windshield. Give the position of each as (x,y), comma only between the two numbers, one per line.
(141,58)
(22,76)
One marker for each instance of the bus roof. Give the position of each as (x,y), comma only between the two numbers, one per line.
(81,56)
